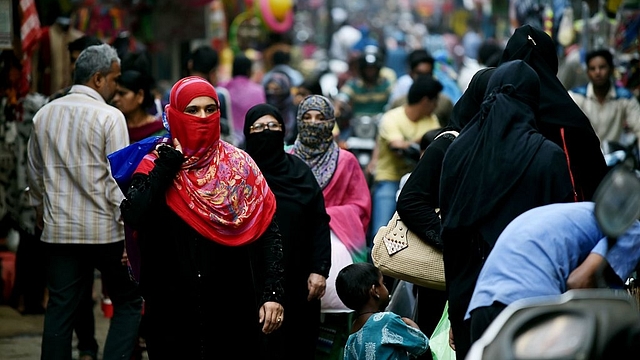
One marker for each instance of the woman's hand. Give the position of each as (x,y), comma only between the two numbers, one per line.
(176,145)
(317,284)
(271,316)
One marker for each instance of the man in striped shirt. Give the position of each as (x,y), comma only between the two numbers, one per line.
(77,202)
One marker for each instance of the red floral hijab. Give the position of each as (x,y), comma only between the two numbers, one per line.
(219,191)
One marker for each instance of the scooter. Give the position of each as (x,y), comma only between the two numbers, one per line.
(362,137)
(622,152)
(589,324)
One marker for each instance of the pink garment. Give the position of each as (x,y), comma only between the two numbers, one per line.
(348,202)
(244,94)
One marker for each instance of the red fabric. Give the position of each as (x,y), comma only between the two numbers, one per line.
(566,154)
(29,25)
(8,262)
(29,36)
(220,191)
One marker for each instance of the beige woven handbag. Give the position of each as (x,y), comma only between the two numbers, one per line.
(401,254)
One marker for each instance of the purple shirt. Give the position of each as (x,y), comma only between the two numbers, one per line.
(244,94)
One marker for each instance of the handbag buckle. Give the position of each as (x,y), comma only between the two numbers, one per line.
(396,239)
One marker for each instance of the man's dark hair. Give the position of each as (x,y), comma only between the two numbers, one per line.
(419,56)
(606,54)
(241,66)
(281,57)
(204,59)
(424,85)
(83,42)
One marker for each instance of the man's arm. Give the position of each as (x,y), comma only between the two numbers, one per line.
(588,274)
(632,112)
(35,178)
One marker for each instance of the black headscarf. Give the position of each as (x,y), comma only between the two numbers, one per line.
(287,175)
(469,103)
(557,109)
(493,151)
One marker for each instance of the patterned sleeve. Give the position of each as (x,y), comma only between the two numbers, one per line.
(397,333)
(272,252)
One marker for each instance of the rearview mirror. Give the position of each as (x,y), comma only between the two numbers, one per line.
(617,201)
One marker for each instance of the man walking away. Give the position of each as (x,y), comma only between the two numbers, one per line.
(77,202)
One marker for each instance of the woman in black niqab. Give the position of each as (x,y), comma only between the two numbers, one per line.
(499,167)
(560,119)
(304,225)
(418,199)
(284,174)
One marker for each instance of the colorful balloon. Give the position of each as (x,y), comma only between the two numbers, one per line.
(280,8)
(269,9)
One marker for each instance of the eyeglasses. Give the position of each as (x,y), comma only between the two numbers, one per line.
(273,126)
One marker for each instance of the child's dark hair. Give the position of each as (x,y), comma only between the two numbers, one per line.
(354,282)
(428,138)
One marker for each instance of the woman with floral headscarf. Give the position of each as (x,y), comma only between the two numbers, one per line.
(211,253)
(346,194)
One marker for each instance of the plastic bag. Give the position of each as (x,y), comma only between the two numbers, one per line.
(439,340)
(125,161)
(566,33)
(403,301)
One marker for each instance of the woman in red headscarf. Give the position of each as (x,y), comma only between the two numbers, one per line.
(211,254)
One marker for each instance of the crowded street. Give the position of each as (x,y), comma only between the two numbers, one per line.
(319,180)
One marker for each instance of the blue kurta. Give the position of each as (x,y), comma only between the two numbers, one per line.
(385,336)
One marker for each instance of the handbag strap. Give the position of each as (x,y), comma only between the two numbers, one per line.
(452,134)
(566,154)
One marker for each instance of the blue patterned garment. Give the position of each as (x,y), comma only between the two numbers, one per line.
(385,336)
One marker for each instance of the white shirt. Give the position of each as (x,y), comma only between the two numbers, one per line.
(69,174)
(609,118)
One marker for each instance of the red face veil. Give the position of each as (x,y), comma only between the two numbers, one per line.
(198,136)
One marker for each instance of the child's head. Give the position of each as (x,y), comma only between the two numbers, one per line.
(357,283)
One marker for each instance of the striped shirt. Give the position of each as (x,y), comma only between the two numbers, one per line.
(69,174)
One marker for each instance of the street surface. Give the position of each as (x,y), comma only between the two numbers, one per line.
(21,336)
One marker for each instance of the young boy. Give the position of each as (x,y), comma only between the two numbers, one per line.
(375,333)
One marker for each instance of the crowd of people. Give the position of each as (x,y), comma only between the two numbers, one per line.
(251,219)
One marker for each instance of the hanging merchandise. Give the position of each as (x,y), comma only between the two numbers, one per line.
(29,36)
(627,36)
(566,33)
(216,25)
(240,31)
(277,15)
(547,20)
